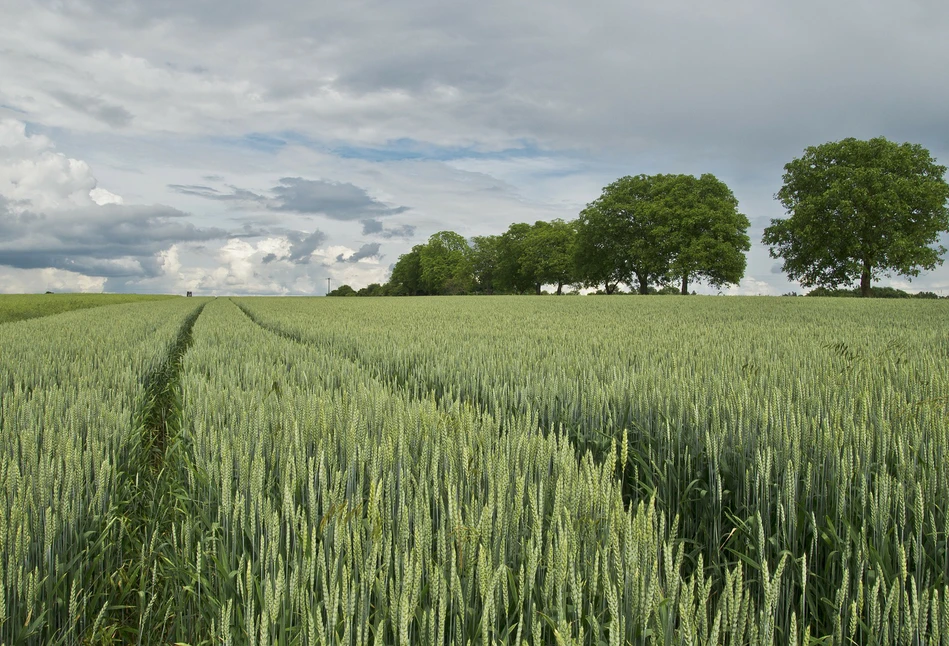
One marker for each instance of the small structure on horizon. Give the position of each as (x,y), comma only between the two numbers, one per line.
(189,294)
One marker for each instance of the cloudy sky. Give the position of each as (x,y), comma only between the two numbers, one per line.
(235,146)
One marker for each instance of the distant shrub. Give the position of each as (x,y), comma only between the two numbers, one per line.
(343,290)
(875,292)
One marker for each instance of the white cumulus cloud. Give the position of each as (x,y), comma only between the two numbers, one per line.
(34,281)
(32,173)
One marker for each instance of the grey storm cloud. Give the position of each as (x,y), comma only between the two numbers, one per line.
(302,245)
(370,250)
(252,230)
(695,75)
(375,227)
(79,262)
(108,113)
(336,200)
(110,240)
(233,195)
(762,79)
(371,226)
(736,89)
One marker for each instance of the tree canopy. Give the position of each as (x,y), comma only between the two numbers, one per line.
(406,278)
(445,264)
(485,256)
(514,274)
(549,253)
(705,236)
(643,231)
(618,238)
(342,290)
(529,256)
(662,228)
(858,210)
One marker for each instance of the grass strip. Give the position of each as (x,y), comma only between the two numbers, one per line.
(147,586)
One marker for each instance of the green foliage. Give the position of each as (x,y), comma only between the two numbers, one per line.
(706,237)
(445,264)
(858,210)
(655,229)
(875,292)
(520,261)
(342,290)
(527,257)
(373,289)
(485,260)
(620,239)
(549,253)
(406,279)
(515,275)
(641,230)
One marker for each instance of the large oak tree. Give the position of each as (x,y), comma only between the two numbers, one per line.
(858,210)
(663,228)
(620,239)
(705,235)
(445,263)
(548,254)
(406,279)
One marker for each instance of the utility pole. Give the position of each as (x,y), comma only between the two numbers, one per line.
(327,285)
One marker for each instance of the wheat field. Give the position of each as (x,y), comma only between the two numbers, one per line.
(477,470)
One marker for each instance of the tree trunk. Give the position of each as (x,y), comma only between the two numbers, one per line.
(559,289)
(610,288)
(865,280)
(537,287)
(685,284)
(643,284)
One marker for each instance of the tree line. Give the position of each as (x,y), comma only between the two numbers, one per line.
(649,231)
(856,210)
